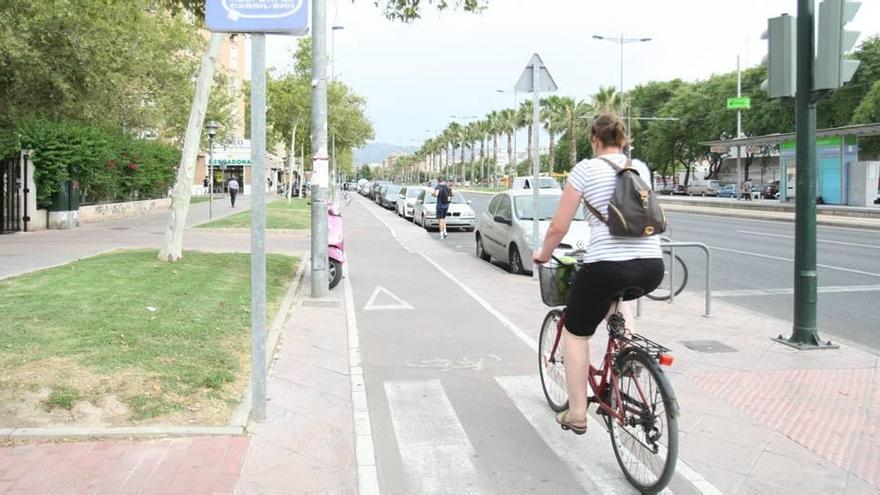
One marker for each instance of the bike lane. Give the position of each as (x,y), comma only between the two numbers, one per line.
(455,400)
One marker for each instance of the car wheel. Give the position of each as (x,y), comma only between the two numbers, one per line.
(481,253)
(514,262)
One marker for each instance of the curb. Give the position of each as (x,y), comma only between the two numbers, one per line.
(239,230)
(242,413)
(727,212)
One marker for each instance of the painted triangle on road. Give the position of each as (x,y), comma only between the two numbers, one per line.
(372,304)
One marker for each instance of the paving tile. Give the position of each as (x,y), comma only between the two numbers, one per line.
(789,474)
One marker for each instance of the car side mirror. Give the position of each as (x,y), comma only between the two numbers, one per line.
(504,220)
(468,201)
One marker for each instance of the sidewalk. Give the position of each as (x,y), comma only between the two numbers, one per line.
(27,251)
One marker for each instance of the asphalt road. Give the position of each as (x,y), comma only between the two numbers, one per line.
(752,266)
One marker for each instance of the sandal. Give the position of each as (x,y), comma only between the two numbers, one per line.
(566,424)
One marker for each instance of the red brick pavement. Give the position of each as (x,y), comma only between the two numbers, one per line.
(191,466)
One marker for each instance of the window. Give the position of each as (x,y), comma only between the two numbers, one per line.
(493,205)
(504,207)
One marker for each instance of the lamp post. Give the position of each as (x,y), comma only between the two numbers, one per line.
(621,40)
(211,127)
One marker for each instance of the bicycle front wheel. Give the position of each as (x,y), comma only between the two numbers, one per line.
(661,293)
(551,365)
(646,441)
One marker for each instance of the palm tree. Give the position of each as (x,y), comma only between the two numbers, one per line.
(525,119)
(508,120)
(554,119)
(493,121)
(574,113)
(607,100)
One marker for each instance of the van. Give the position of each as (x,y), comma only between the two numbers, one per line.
(544,182)
(704,188)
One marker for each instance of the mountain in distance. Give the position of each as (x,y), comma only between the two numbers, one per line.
(376,152)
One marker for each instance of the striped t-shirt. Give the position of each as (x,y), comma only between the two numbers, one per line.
(595,180)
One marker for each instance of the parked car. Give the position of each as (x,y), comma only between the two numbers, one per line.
(504,230)
(406,200)
(704,188)
(459,216)
(728,191)
(365,188)
(374,190)
(388,198)
(377,196)
(664,189)
(770,190)
(680,190)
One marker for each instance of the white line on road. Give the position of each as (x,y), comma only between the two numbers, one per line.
(435,448)
(590,460)
(826,241)
(372,306)
(365,455)
(831,289)
(780,258)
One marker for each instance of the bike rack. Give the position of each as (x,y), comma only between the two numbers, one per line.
(666,242)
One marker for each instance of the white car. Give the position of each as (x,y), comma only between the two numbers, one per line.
(406,202)
(504,230)
(459,216)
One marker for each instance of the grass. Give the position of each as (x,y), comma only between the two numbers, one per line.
(193,200)
(279,215)
(162,337)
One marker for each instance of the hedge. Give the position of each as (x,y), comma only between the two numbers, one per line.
(109,165)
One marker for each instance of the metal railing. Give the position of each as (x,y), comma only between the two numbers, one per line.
(670,245)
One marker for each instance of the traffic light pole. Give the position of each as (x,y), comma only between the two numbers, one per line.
(805,334)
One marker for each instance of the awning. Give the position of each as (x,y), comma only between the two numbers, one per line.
(861,130)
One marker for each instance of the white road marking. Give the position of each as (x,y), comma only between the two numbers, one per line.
(372,306)
(682,468)
(777,222)
(826,241)
(780,258)
(436,451)
(831,289)
(589,458)
(365,456)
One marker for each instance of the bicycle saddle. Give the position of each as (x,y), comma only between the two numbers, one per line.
(630,293)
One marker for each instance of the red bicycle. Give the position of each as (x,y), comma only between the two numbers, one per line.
(632,394)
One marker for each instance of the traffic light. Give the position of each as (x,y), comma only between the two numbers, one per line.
(781,57)
(833,69)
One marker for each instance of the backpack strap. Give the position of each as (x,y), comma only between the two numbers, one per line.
(617,168)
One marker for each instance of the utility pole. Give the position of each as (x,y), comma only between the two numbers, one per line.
(320,283)
(739,178)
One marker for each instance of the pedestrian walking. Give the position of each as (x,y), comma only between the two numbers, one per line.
(747,190)
(205,185)
(443,193)
(233,190)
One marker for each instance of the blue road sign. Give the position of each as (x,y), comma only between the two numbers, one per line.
(257,16)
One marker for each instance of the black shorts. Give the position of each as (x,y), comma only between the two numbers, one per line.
(597,284)
(441,211)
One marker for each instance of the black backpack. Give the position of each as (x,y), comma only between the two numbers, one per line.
(633,210)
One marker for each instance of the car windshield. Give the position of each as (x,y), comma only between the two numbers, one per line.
(546,207)
(390,190)
(456,199)
(413,193)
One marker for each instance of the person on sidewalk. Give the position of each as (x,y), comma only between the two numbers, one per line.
(205,186)
(611,264)
(233,190)
(443,193)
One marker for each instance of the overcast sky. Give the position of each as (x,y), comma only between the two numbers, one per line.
(416,76)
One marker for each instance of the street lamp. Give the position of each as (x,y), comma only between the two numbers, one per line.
(621,40)
(211,127)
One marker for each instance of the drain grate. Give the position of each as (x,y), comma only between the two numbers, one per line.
(707,346)
(314,303)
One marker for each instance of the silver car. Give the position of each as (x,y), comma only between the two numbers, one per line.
(504,230)
(459,216)
(406,201)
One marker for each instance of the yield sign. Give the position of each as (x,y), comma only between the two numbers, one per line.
(397,303)
(526,83)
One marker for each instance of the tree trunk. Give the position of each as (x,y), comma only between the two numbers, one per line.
(572,135)
(529,150)
(291,160)
(494,158)
(172,249)
(552,151)
(462,161)
(510,158)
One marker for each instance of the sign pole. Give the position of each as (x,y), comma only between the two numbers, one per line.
(739,177)
(536,155)
(320,282)
(258,227)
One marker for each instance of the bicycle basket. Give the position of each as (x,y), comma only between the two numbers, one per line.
(555,280)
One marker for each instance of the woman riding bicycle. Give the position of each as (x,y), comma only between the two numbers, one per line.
(611,264)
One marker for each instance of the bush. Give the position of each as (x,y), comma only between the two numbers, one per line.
(109,165)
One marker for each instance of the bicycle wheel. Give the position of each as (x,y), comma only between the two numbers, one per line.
(646,443)
(552,369)
(661,293)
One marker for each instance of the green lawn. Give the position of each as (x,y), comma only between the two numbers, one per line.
(168,340)
(279,215)
(204,199)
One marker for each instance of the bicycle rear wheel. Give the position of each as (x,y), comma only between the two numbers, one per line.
(646,444)
(552,368)
(661,293)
